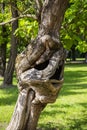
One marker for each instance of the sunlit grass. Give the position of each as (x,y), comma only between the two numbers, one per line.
(8,97)
(69,112)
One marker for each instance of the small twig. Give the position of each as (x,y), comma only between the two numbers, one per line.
(21,16)
(25,11)
(17,9)
(39,4)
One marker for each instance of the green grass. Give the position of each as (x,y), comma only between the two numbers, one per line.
(8,99)
(69,112)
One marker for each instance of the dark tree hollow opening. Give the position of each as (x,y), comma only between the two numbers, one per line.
(57,73)
(42,65)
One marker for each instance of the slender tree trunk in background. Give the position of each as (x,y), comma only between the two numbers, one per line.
(73,53)
(8,77)
(3,47)
(3,57)
(86,57)
(40,68)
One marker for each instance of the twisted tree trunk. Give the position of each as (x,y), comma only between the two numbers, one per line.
(40,68)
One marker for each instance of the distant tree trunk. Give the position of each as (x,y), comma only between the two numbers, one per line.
(8,77)
(40,68)
(86,57)
(3,57)
(73,53)
(3,47)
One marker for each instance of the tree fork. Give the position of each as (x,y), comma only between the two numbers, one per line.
(40,68)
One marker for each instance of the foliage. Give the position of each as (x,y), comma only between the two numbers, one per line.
(27,31)
(74,26)
(73,29)
(26,6)
(5,15)
(69,112)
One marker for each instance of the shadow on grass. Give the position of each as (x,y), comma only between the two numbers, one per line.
(75,83)
(57,109)
(83,104)
(73,89)
(75,76)
(73,123)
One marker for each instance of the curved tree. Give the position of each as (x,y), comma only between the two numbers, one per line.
(40,67)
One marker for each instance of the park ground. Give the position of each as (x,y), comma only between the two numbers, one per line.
(69,112)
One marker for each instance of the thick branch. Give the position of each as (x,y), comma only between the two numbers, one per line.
(21,16)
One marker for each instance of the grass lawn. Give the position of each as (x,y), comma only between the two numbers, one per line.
(69,112)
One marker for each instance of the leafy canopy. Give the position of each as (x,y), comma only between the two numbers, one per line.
(75,25)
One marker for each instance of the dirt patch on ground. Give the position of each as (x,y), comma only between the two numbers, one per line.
(3,126)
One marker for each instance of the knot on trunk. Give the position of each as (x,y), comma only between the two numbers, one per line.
(45,77)
(45,91)
(40,68)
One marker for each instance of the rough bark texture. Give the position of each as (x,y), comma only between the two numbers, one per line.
(86,57)
(40,68)
(73,53)
(13,51)
(2,57)
(3,46)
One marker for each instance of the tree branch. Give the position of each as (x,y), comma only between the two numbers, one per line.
(39,4)
(21,16)
(17,9)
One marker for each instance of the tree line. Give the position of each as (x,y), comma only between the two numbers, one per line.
(19,25)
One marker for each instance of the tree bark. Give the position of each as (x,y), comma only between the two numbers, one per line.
(40,68)
(3,47)
(8,77)
(86,57)
(73,53)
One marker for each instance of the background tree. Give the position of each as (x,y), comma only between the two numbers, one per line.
(22,36)
(3,44)
(13,52)
(73,33)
